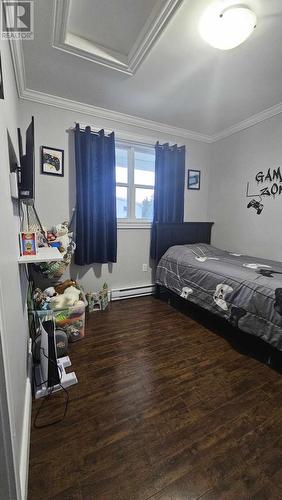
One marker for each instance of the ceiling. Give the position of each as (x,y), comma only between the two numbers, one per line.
(123,19)
(145,58)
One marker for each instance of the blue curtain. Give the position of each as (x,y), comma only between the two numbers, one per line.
(169,187)
(96,223)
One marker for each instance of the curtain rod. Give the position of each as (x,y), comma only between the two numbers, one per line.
(94,130)
(125,137)
(122,137)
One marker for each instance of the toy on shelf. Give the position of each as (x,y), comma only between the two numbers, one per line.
(28,243)
(64,241)
(62,235)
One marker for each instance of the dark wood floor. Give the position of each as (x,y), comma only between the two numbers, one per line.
(165,409)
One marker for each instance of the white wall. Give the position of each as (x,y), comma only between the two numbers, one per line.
(235,161)
(13,327)
(56,196)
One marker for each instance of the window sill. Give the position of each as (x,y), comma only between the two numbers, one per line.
(134,224)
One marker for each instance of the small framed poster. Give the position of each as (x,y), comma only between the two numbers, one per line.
(194,179)
(1,81)
(52,161)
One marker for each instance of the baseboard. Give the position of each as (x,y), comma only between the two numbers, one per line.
(132,292)
(25,446)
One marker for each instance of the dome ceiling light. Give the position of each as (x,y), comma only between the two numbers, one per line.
(227,27)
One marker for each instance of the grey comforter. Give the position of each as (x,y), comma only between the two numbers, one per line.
(246,291)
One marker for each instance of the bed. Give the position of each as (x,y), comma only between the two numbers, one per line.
(246,291)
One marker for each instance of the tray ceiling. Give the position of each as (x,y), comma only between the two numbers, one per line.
(118,34)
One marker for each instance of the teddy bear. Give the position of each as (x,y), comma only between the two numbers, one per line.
(60,288)
(69,298)
(61,231)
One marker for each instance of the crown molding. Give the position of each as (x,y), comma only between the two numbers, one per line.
(249,122)
(106,114)
(121,118)
(18,64)
(76,45)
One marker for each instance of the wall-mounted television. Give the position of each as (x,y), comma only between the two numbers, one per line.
(26,171)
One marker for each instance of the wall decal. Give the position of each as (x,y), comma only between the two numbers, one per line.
(256,205)
(269,184)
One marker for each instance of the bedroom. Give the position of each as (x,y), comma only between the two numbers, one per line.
(174,397)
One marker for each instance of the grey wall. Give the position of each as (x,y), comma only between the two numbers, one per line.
(12,284)
(56,196)
(236,160)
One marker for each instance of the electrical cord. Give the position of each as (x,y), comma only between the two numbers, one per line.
(59,420)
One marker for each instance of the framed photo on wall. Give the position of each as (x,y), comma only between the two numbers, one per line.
(1,81)
(52,161)
(194,179)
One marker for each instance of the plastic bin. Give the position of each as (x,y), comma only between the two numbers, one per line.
(71,319)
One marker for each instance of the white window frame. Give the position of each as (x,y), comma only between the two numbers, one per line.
(131,222)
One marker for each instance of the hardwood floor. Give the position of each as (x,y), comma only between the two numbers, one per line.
(165,409)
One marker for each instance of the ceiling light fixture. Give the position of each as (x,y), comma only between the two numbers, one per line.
(227,27)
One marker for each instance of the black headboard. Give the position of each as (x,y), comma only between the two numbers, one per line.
(171,234)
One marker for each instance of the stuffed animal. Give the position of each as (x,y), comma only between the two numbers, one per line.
(38,297)
(61,287)
(41,299)
(67,299)
(50,292)
(61,231)
(50,236)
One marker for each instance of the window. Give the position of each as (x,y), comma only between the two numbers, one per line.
(135,180)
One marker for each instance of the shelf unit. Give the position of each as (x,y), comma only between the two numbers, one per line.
(45,254)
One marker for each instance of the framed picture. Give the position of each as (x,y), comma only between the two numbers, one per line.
(1,81)
(194,179)
(52,161)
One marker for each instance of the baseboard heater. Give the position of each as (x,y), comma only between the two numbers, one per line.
(136,291)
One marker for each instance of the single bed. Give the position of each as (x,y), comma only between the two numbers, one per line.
(246,291)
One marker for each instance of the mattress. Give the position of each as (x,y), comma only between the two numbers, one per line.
(246,291)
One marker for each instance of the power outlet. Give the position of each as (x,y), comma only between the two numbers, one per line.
(145,268)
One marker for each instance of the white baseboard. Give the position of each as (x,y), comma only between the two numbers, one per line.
(25,446)
(132,292)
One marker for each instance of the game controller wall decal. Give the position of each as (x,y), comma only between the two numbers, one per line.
(269,185)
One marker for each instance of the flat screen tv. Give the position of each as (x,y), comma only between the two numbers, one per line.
(26,172)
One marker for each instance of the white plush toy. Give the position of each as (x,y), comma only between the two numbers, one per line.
(69,298)
(61,231)
(50,291)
